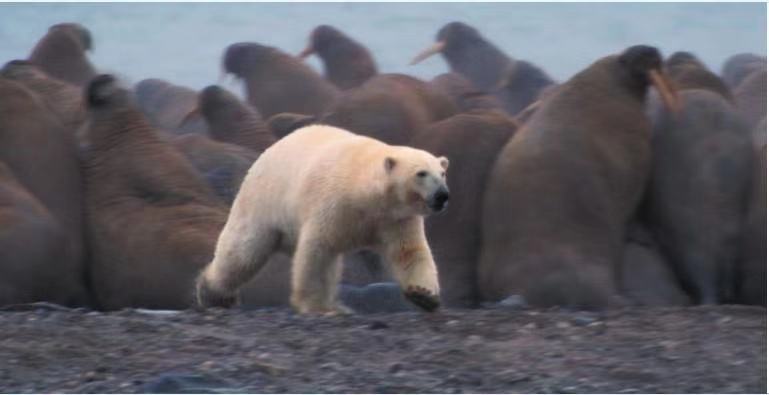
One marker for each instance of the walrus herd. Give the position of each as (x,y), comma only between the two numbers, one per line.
(641,180)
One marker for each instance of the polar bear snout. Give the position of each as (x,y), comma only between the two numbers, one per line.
(439,200)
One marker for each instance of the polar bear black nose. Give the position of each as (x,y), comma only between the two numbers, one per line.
(439,200)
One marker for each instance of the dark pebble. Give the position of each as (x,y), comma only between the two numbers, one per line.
(395,367)
(378,325)
(187,384)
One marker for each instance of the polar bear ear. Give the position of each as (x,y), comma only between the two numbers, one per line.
(389,164)
(444,162)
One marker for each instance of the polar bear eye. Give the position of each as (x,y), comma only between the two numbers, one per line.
(443,174)
(422,174)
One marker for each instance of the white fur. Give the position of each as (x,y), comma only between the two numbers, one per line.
(318,193)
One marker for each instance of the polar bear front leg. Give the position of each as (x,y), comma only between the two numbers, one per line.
(412,262)
(315,275)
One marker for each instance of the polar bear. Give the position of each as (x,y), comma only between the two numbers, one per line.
(321,192)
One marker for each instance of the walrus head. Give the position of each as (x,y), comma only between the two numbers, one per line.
(20,69)
(644,64)
(739,66)
(104,90)
(241,58)
(77,31)
(215,102)
(683,58)
(62,54)
(214,99)
(450,38)
(322,39)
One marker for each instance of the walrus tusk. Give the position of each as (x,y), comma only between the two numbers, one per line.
(507,75)
(430,51)
(666,91)
(307,52)
(195,111)
(527,112)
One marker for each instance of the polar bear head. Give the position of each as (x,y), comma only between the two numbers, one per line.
(417,181)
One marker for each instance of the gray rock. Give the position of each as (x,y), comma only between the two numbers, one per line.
(187,384)
(512,302)
(374,298)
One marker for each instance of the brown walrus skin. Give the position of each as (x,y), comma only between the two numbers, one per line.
(64,99)
(284,123)
(466,96)
(222,165)
(152,220)
(170,107)
(688,72)
(698,191)
(389,107)
(277,82)
(751,271)
(347,63)
(471,141)
(31,243)
(61,53)
(232,121)
(44,159)
(645,277)
(563,189)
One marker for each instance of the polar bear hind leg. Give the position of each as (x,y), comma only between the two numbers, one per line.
(241,251)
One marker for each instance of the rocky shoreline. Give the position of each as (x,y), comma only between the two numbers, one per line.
(680,350)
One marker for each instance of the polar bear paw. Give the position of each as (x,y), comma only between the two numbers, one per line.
(422,298)
(209,297)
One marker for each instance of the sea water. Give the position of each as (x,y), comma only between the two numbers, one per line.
(183,43)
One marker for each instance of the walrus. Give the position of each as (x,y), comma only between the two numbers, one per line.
(687,72)
(277,82)
(346,62)
(31,243)
(740,66)
(524,115)
(64,99)
(61,53)
(563,189)
(759,133)
(222,165)
(698,191)
(390,108)
(516,83)
(44,159)
(170,107)
(152,220)
(751,270)
(471,142)
(750,97)
(644,275)
(230,120)
(284,123)
(465,95)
